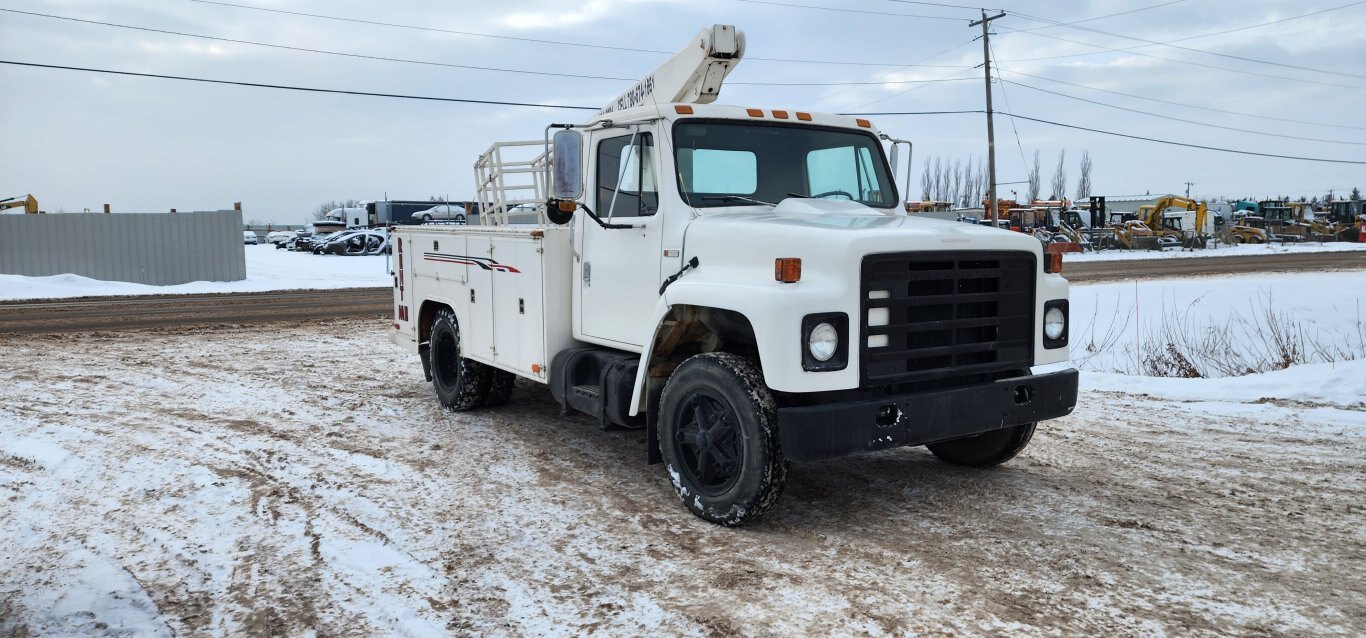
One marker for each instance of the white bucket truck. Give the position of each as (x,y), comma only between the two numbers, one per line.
(740,283)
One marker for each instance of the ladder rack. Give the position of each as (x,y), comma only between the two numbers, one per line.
(510,183)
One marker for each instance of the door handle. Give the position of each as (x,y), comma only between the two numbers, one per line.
(587,273)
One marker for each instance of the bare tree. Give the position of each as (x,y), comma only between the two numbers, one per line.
(1356,194)
(1060,177)
(1034,181)
(940,177)
(955,182)
(1084,176)
(926,181)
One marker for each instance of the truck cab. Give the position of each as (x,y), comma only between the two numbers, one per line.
(740,283)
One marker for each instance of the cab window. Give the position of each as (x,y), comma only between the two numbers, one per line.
(632,167)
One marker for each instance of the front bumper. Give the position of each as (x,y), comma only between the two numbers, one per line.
(810,433)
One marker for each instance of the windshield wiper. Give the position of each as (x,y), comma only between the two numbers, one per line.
(738,198)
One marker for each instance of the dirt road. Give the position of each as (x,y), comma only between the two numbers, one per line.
(238,481)
(110,313)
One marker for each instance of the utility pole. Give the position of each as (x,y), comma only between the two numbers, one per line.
(1188,189)
(993,206)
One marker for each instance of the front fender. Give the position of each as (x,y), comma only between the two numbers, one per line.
(775,311)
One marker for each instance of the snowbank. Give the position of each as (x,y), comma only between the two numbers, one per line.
(1224,250)
(1341,384)
(267,269)
(1115,324)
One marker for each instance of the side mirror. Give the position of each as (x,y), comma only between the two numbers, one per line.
(567,181)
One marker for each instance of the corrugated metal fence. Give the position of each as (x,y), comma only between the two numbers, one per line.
(147,248)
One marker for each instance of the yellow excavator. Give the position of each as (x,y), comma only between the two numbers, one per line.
(1177,220)
(28,202)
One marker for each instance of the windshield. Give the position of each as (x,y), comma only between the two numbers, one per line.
(744,164)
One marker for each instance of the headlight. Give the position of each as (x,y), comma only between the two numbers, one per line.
(823,342)
(1054,323)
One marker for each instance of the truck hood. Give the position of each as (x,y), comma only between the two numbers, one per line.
(823,224)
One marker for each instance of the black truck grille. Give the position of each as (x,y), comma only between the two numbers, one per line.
(946,317)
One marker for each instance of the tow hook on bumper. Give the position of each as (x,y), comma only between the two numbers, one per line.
(816,432)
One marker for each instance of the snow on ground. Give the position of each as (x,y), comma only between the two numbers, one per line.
(300,479)
(1114,325)
(267,269)
(1223,250)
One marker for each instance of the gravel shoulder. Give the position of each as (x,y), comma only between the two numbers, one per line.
(294,477)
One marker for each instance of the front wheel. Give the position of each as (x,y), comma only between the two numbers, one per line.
(987,449)
(718,435)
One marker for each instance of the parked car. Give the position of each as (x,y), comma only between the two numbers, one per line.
(293,242)
(364,242)
(278,237)
(306,243)
(249,237)
(443,212)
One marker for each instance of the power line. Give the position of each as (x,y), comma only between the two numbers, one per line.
(1177,119)
(593,108)
(1125,135)
(1023,164)
(413,27)
(898,69)
(845,10)
(1109,15)
(941,4)
(430,63)
(412,61)
(1222,55)
(286,87)
(321,51)
(1190,37)
(1191,106)
(1179,61)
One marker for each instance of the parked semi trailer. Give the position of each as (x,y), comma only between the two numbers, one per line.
(738,283)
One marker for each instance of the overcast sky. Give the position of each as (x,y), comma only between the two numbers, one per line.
(77,140)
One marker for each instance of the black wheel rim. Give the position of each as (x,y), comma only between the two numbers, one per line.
(707,439)
(444,360)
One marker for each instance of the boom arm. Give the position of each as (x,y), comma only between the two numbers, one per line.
(29,203)
(693,75)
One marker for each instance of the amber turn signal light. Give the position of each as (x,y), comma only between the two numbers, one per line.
(1052,262)
(567,205)
(787,269)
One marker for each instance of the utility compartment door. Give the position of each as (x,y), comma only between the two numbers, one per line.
(619,271)
(515,269)
(477,333)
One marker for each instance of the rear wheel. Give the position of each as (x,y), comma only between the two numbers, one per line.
(719,439)
(987,449)
(500,387)
(461,384)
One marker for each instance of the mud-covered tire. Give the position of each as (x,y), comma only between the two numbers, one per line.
(1239,240)
(461,384)
(718,434)
(500,387)
(987,449)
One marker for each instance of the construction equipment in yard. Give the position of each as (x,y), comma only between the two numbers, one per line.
(28,202)
(1136,235)
(1248,230)
(1178,221)
(1283,221)
(1345,220)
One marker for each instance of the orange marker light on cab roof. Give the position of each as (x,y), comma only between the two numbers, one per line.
(682,109)
(787,269)
(782,115)
(805,117)
(755,112)
(864,123)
